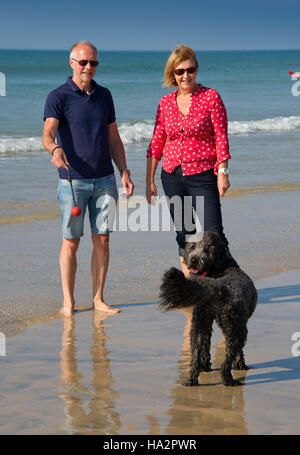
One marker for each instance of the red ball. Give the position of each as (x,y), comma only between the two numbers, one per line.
(76,211)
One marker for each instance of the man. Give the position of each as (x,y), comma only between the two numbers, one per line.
(80,114)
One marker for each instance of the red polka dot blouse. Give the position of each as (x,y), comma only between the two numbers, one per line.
(197,141)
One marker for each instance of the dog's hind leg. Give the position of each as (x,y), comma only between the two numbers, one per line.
(239,362)
(200,336)
(235,340)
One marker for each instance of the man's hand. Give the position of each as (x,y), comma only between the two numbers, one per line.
(59,159)
(127,183)
(223,184)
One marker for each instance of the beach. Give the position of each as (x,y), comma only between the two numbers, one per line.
(123,374)
(262,229)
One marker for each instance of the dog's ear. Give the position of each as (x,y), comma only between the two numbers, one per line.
(219,251)
(188,248)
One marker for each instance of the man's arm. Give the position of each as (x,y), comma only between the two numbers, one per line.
(118,155)
(59,158)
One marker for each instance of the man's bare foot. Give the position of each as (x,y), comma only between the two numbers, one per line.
(102,306)
(67,311)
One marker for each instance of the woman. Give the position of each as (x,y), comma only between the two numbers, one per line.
(191,134)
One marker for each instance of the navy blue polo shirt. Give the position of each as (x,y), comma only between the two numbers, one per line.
(82,130)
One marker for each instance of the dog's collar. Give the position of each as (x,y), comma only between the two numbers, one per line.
(203,274)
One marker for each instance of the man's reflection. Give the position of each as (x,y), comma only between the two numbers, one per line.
(77,392)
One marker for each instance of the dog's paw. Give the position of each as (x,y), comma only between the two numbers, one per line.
(191,383)
(240,366)
(205,368)
(230,382)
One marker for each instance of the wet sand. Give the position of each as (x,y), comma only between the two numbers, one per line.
(263,233)
(122,375)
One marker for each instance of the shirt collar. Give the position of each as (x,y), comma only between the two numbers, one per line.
(200,86)
(75,87)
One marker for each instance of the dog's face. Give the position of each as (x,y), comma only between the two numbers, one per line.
(205,255)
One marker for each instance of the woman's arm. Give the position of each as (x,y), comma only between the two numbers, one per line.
(150,173)
(220,125)
(154,153)
(223,180)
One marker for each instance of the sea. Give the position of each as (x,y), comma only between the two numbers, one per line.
(261,98)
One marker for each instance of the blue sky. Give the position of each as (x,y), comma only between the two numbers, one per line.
(151,24)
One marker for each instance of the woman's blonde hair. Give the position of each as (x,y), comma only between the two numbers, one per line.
(180,54)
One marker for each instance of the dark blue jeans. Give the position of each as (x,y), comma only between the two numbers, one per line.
(203,184)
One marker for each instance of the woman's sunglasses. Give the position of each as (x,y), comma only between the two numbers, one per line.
(85,62)
(181,71)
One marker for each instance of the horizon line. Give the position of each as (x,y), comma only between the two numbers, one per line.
(154,50)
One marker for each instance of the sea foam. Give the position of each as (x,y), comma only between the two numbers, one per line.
(141,131)
(275,124)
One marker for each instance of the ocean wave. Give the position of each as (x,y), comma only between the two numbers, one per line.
(13,144)
(275,124)
(133,132)
(141,131)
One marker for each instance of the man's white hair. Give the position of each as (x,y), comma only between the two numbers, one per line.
(86,43)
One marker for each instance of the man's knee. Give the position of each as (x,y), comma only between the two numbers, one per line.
(70,246)
(101,241)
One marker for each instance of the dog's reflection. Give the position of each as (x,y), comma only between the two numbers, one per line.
(210,408)
(80,394)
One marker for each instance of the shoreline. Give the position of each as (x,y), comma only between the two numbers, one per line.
(46,209)
(262,233)
(25,324)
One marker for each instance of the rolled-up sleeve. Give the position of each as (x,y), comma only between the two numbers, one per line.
(159,136)
(220,126)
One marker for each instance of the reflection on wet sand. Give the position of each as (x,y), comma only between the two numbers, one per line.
(210,408)
(98,396)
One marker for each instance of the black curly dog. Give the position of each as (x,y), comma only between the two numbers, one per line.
(225,294)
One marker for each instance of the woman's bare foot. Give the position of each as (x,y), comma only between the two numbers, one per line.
(222,342)
(102,306)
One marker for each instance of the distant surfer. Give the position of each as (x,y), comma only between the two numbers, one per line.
(294,75)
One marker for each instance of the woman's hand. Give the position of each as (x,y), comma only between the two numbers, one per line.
(223,184)
(150,191)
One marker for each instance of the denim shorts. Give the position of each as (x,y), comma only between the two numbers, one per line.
(99,195)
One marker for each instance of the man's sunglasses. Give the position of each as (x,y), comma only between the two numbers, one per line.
(85,62)
(181,71)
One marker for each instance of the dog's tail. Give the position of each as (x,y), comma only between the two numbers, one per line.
(176,291)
